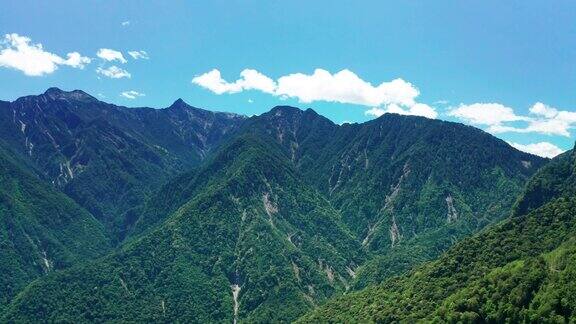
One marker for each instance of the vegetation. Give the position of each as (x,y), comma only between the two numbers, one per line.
(41,230)
(407,187)
(109,159)
(254,224)
(518,270)
(278,213)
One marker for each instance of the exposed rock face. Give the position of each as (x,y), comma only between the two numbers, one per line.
(394,232)
(452,213)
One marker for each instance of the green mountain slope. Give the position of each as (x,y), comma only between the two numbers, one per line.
(41,230)
(408,187)
(518,270)
(253,227)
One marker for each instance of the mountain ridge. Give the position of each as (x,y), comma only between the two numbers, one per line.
(269,216)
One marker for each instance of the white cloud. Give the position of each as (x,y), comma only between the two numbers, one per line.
(375,112)
(343,87)
(543,149)
(17,52)
(249,80)
(485,114)
(114,72)
(139,55)
(111,55)
(417,109)
(125,23)
(131,94)
(543,119)
(543,110)
(421,109)
(76,60)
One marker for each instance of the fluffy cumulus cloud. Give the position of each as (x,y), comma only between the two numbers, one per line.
(131,94)
(346,87)
(541,119)
(113,72)
(139,55)
(19,53)
(111,55)
(543,149)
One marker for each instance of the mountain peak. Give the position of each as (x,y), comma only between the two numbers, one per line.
(57,93)
(179,103)
(53,91)
(286,111)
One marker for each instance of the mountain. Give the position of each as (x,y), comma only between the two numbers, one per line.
(109,158)
(220,218)
(41,230)
(408,187)
(253,235)
(520,270)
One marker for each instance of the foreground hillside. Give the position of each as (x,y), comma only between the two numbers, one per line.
(521,270)
(254,228)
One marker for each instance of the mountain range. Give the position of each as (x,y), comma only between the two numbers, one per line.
(183,214)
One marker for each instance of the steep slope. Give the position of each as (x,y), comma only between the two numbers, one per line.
(519,270)
(249,242)
(41,230)
(109,158)
(408,187)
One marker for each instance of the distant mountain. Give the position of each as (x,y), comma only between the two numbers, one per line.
(221,218)
(109,158)
(41,230)
(521,270)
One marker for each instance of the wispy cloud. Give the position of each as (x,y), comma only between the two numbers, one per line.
(19,53)
(131,94)
(111,55)
(114,72)
(344,86)
(125,23)
(139,55)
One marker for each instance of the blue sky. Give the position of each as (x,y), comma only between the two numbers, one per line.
(506,67)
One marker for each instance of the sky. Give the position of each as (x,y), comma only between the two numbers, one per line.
(507,67)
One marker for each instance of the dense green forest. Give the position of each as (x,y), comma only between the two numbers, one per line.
(41,230)
(407,187)
(254,225)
